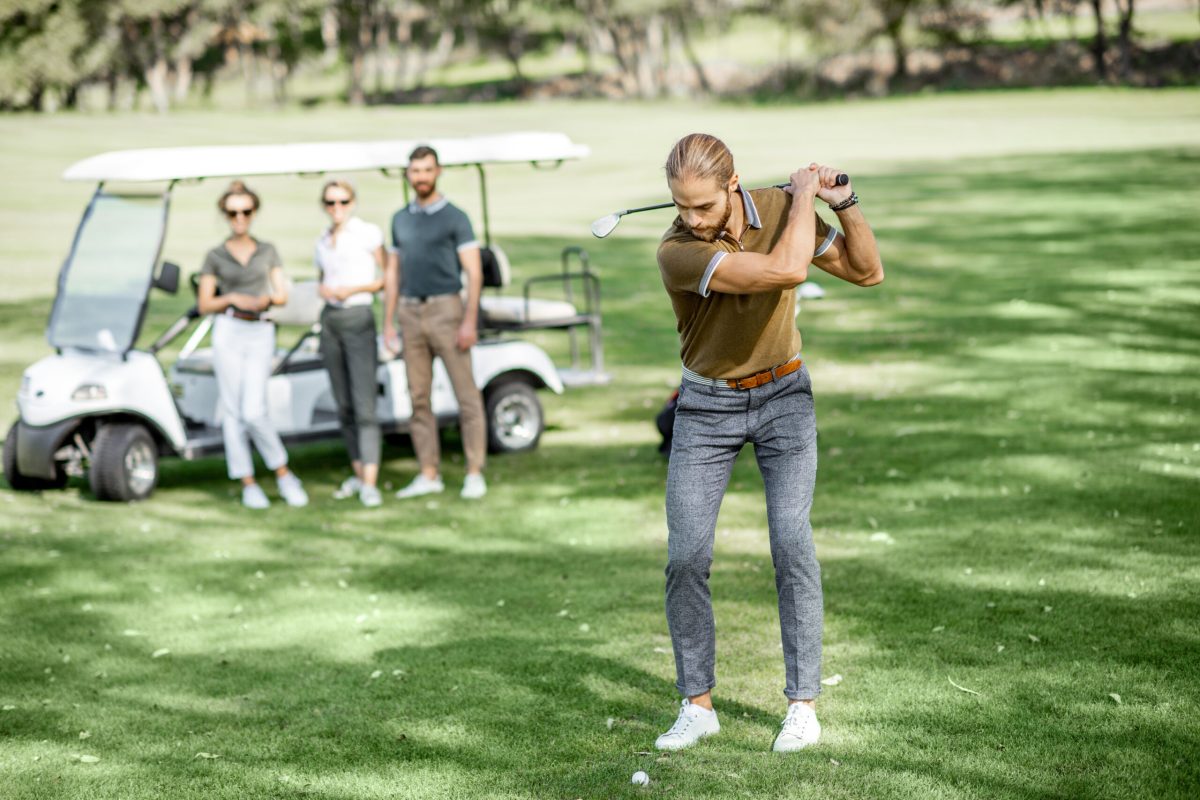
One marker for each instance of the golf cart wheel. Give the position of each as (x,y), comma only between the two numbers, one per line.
(514,417)
(26,483)
(124,463)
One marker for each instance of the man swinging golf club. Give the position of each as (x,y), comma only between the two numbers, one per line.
(731,263)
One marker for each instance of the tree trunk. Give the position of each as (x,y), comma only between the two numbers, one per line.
(156,73)
(1100,43)
(330,36)
(383,49)
(681,26)
(359,40)
(441,53)
(655,68)
(112,83)
(183,78)
(1125,37)
(249,72)
(899,52)
(404,36)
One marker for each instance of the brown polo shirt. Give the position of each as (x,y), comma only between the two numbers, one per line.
(233,278)
(733,335)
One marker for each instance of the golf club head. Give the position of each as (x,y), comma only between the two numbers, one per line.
(605,225)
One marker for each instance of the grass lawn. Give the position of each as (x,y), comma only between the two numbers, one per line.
(1008,498)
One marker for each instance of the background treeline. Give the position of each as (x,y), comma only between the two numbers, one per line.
(53,51)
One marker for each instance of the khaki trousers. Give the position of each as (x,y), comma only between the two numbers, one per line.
(429,330)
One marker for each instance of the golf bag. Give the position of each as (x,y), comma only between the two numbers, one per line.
(666,423)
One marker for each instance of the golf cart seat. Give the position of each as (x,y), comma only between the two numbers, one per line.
(500,313)
(303,307)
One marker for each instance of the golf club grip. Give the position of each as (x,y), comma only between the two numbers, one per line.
(842,180)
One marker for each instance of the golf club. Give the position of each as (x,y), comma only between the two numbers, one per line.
(606,225)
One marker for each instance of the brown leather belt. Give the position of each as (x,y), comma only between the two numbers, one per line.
(766,376)
(249,316)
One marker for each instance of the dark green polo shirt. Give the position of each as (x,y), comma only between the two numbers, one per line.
(232,277)
(428,240)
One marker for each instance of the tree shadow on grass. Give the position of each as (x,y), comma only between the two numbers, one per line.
(512,701)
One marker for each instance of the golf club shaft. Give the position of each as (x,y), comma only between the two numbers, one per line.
(842,180)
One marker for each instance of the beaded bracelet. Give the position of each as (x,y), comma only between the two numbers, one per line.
(852,200)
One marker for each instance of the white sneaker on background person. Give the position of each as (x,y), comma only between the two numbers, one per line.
(254,497)
(800,729)
(421,486)
(693,724)
(810,291)
(350,487)
(369,496)
(474,487)
(292,490)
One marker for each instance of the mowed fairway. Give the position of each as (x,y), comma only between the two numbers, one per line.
(1008,499)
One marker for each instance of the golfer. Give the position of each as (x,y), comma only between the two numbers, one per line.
(731,263)
(242,278)
(432,243)
(349,258)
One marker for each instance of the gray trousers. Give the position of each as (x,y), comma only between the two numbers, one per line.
(350,353)
(711,426)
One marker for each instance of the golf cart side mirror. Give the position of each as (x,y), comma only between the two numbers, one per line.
(168,278)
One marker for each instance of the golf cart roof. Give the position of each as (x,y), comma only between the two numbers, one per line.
(191,163)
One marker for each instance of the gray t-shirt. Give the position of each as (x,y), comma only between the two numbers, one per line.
(428,240)
(232,277)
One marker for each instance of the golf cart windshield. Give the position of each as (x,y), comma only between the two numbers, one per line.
(104,283)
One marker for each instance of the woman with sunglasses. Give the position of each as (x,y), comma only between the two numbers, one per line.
(240,280)
(349,259)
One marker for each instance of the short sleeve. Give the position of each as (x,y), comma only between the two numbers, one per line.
(271,257)
(396,246)
(688,265)
(464,235)
(209,267)
(372,237)
(826,234)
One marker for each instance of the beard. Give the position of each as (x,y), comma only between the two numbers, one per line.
(425,189)
(710,233)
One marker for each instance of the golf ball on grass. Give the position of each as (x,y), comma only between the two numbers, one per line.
(640,779)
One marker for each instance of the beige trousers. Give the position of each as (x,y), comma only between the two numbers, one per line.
(429,330)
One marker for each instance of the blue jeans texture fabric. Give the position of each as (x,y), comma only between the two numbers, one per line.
(712,424)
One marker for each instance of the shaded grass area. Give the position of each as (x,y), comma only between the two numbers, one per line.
(1007,499)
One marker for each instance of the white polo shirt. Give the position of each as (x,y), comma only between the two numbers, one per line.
(350,261)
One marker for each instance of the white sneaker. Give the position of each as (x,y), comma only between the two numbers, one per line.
(292,490)
(420,486)
(350,487)
(474,487)
(370,496)
(254,497)
(693,724)
(800,729)
(810,291)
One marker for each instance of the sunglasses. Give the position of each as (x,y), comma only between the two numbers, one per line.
(234,213)
(332,203)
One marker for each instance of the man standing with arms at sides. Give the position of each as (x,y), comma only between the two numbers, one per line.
(432,241)
(731,263)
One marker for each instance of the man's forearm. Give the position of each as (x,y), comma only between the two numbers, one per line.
(866,267)
(391,288)
(474,290)
(794,250)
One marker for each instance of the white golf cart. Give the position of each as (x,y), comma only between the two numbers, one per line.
(100,407)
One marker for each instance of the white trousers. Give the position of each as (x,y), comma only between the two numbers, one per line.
(242,352)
